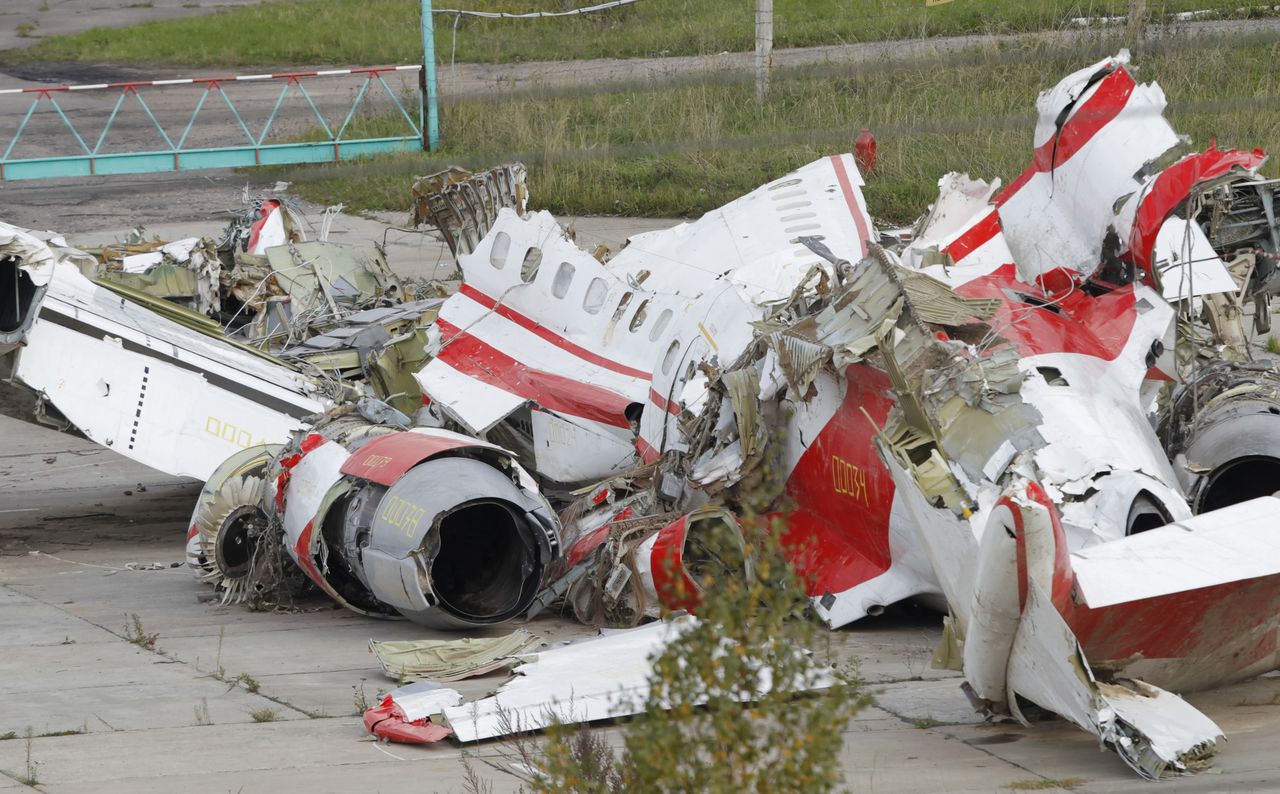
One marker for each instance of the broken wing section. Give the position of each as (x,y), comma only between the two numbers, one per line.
(599,678)
(1188,606)
(1183,607)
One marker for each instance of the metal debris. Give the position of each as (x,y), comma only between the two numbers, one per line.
(451,660)
(1037,410)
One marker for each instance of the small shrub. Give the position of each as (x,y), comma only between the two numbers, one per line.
(265,715)
(359,700)
(249,683)
(696,733)
(31,777)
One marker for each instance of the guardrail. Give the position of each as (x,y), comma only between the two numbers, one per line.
(181,152)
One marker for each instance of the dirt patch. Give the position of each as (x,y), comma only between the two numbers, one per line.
(63,72)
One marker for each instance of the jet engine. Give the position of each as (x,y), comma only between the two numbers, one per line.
(446,530)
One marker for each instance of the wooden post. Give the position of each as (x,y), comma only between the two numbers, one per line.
(764,46)
(1137,22)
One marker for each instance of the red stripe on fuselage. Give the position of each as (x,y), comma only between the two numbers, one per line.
(846,187)
(478,359)
(837,536)
(548,335)
(662,403)
(1095,113)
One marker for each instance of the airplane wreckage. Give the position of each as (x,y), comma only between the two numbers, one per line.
(1036,409)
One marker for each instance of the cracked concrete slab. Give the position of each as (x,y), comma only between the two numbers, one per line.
(927,702)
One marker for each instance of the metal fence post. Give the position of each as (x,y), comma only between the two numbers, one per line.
(430,110)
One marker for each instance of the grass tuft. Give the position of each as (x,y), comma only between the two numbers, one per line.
(68,732)
(265,715)
(250,683)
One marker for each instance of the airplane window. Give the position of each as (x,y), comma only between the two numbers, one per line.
(637,319)
(498,251)
(532,259)
(593,300)
(660,325)
(563,280)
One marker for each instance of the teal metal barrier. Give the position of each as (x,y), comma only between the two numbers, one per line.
(179,154)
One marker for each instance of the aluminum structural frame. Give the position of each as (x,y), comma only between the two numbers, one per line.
(179,156)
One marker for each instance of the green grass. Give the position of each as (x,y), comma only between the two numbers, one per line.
(369,32)
(682,149)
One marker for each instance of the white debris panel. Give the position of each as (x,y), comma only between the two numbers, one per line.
(595,679)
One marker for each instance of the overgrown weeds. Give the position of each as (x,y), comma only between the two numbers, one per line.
(31,775)
(683,147)
(359,700)
(250,684)
(1042,784)
(134,633)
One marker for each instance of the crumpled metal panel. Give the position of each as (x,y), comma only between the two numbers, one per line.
(463,205)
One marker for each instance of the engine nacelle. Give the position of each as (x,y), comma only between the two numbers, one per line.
(1227,436)
(443,529)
